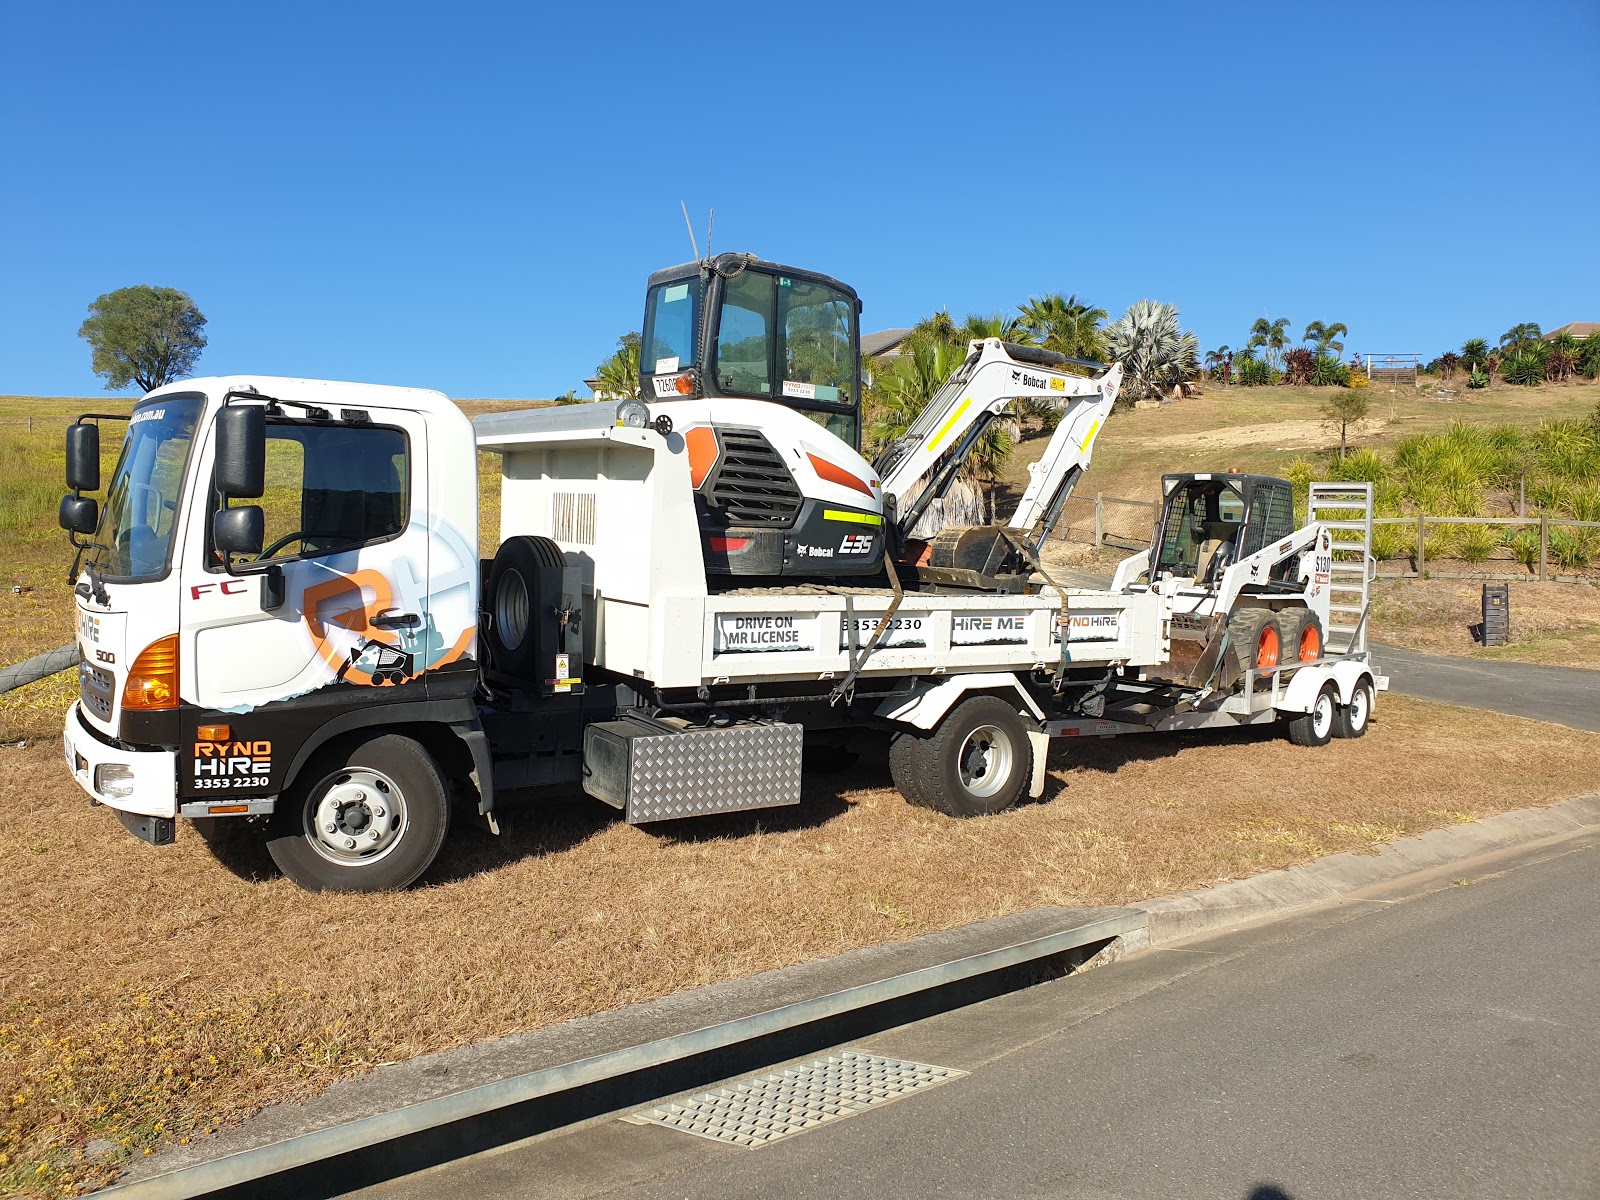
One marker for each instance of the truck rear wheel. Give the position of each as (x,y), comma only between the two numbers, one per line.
(367,815)
(1351,720)
(1315,728)
(903,767)
(976,763)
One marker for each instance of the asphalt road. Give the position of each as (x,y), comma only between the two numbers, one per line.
(1564,695)
(1431,1039)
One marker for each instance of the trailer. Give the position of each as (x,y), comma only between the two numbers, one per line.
(284,618)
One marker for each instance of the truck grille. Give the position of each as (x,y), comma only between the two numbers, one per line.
(97,689)
(751,485)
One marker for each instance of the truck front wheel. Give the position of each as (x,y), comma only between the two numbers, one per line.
(367,815)
(977,762)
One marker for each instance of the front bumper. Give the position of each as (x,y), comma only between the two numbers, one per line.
(145,783)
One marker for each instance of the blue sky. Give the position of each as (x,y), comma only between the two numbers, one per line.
(470,196)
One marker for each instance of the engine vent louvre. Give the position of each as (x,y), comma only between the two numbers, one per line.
(572,517)
(751,485)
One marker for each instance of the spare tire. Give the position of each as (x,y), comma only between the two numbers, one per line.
(519,607)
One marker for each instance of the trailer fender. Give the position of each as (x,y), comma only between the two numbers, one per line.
(1302,690)
(926,706)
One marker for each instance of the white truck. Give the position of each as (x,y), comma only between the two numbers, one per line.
(284,618)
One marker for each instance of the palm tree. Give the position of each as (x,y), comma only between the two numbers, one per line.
(1156,354)
(1066,325)
(618,376)
(1324,336)
(997,325)
(1271,336)
(905,390)
(1519,337)
(939,329)
(1475,354)
(1219,363)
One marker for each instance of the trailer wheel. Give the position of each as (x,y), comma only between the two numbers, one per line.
(976,763)
(1315,728)
(1351,720)
(367,815)
(1255,641)
(1302,635)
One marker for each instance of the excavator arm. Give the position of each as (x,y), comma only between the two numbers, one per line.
(919,466)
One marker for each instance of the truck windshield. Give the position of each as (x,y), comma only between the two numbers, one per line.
(135,537)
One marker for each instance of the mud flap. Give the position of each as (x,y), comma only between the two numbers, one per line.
(1040,741)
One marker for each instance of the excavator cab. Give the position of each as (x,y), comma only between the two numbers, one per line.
(735,326)
(1211,520)
(781,489)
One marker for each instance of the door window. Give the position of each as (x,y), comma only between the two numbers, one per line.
(331,488)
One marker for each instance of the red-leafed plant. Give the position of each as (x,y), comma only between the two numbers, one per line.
(1298,365)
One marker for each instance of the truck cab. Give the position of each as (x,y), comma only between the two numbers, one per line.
(214,667)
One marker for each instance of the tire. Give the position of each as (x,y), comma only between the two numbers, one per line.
(1302,635)
(976,763)
(390,808)
(1255,639)
(902,766)
(515,607)
(1351,720)
(1315,728)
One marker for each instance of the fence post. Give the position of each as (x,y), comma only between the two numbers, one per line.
(1422,533)
(1099,519)
(1544,546)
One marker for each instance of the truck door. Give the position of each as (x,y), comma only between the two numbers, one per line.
(346,522)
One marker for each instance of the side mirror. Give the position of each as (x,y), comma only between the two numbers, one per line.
(241,459)
(80,514)
(237,530)
(83,458)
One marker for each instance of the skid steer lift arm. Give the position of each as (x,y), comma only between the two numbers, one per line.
(995,374)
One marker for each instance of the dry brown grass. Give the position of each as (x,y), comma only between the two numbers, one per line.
(1553,623)
(151,994)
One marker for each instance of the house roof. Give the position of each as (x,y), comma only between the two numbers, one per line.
(1580,329)
(885,340)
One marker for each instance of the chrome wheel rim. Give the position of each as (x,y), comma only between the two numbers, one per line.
(986,760)
(511,609)
(359,818)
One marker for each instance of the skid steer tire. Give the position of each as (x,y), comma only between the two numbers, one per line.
(978,761)
(1315,728)
(1351,720)
(903,768)
(1255,640)
(388,807)
(1302,636)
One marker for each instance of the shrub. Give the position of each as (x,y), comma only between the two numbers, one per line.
(1525,548)
(1255,372)
(1360,466)
(1478,543)
(1393,541)
(1297,366)
(1524,367)
(1328,371)
(1588,356)
(1477,379)
(1570,548)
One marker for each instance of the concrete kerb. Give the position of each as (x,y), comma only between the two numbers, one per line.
(397,1100)
(1172,918)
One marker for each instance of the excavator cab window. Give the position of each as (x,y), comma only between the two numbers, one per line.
(671,327)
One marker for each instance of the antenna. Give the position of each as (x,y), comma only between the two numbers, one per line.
(690,225)
(710,221)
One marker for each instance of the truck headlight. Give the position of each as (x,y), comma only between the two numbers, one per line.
(113,779)
(633,414)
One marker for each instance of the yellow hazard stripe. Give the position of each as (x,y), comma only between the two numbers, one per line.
(841,514)
(945,428)
(1089,437)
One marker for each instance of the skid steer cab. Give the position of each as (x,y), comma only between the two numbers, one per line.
(758,366)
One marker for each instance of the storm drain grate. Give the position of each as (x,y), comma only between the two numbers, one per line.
(795,1099)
